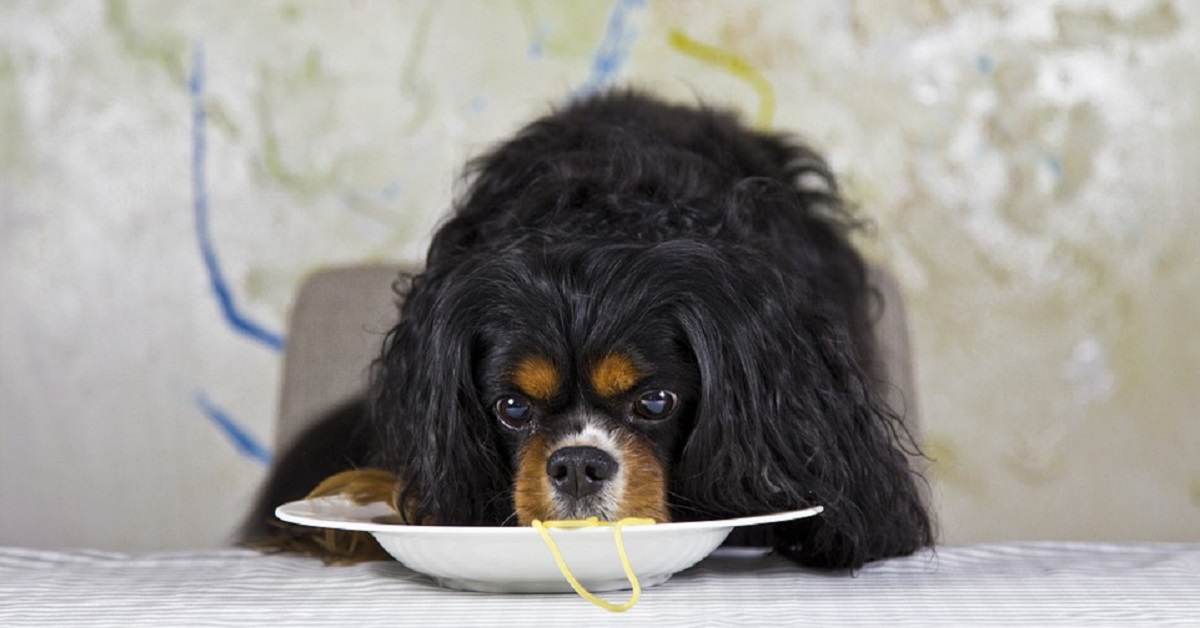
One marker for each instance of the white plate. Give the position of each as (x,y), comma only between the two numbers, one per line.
(516,559)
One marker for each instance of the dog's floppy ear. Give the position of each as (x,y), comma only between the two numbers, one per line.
(430,425)
(786,418)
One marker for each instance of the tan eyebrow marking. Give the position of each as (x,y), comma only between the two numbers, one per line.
(536,377)
(614,374)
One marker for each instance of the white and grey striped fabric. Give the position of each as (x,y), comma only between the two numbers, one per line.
(1028,584)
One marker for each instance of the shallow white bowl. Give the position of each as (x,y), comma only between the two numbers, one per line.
(517,560)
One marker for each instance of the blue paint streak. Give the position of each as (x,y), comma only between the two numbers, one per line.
(1054,164)
(537,47)
(985,64)
(614,48)
(220,286)
(391,191)
(241,439)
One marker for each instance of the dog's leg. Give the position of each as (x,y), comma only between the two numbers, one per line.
(361,486)
(328,455)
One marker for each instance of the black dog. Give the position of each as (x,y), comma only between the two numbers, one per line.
(638,309)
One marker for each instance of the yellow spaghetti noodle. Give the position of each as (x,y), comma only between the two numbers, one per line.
(543,528)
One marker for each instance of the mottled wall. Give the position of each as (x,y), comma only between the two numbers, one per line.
(169,172)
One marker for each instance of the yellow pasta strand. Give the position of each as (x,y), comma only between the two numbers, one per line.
(543,528)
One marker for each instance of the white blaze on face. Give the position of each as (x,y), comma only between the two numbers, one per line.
(605,504)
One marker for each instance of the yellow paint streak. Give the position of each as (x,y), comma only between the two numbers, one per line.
(948,467)
(536,377)
(736,66)
(614,375)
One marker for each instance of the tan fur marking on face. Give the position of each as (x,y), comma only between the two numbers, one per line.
(531,491)
(645,493)
(614,375)
(536,377)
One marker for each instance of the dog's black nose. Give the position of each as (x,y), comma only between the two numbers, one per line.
(580,471)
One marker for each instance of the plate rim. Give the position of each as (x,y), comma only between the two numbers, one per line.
(288,512)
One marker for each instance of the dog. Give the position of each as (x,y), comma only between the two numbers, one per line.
(637,309)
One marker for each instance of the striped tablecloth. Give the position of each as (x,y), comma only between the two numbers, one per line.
(1026,584)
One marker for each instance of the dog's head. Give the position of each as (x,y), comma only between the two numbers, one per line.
(677,380)
(562,382)
(587,374)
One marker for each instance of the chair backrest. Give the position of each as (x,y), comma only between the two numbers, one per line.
(895,370)
(341,315)
(338,322)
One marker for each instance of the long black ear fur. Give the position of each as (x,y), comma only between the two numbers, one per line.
(788,419)
(425,411)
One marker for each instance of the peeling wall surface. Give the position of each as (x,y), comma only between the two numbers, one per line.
(170,171)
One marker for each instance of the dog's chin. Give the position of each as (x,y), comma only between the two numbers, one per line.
(602,507)
(562,507)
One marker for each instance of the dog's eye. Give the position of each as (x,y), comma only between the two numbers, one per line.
(512,410)
(656,404)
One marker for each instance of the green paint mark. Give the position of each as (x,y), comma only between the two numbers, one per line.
(274,165)
(420,92)
(1194,491)
(947,466)
(290,12)
(1098,25)
(164,50)
(533,28)
(1086,133)
(564,29)
(313,71)
(941,453)
(220,119)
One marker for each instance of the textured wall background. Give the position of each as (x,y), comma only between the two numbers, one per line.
(170,171)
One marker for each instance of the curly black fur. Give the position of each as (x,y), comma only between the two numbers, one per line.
(680,235)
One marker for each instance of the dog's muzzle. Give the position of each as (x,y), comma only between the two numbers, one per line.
(580,472)
(590,472)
